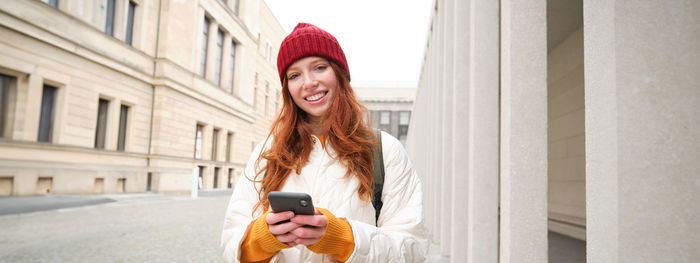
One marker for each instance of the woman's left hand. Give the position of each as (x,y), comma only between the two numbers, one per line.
(313,228)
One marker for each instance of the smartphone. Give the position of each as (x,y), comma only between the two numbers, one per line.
(299,203)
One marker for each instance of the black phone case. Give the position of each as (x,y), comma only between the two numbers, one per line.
(299,203)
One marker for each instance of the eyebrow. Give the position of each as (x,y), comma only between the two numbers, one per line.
(314,61)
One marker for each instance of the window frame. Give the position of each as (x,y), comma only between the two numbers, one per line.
(381,117)
(101,126)
(219,56)
(232,65)
(123,127)
(109,17)
(203,49)
(47,126)
(130,16)
(198,141)
(215,143)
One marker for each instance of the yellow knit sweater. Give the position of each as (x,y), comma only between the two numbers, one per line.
(260,245)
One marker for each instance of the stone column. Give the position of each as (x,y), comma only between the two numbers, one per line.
(475,183)
(432,137)
(642,130)
(460,180)
(523,226)
(445,135)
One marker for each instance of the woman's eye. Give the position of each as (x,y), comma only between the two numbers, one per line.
(293,76)
(321,67)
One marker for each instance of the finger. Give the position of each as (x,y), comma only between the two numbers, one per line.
(286,238)
(309,232)
(306,241)
(283,228)
(314,220)
(274,218)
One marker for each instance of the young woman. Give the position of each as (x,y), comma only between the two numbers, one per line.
(320,144)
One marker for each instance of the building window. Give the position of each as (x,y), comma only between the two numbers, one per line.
(205,35)
(109,22)
(384,117)
(123,115)
(130,22)
(232,66)
(268,50)
(53,3)
(230,178)
(235,6)
(214,144)
(219,51)
(46,117)
(6,99)
(200,177)
(404,117)
(216,177)
(101,128)
(229,145)
(198,141)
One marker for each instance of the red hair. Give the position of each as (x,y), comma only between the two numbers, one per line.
(345,128)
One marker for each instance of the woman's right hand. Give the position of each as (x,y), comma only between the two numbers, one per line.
(280,229)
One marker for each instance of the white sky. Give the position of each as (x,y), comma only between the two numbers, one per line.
(383,40)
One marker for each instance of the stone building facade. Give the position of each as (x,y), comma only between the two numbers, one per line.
(389,107)
(116,96)
(577,117)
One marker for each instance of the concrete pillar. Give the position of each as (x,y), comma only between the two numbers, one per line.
(445,135)
(434,147)
(475,183)
(642,130)
(523,226)
(460,181)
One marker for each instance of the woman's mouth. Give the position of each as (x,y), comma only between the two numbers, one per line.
(316,96)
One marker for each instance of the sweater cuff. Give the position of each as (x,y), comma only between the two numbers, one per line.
(338,240)
(260,244)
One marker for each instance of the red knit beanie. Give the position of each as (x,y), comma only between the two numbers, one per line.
(308,40)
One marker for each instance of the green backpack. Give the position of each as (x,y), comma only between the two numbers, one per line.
(378,184)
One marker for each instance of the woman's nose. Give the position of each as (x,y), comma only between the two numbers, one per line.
(309,81)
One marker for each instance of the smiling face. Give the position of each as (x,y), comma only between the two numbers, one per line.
(313,85)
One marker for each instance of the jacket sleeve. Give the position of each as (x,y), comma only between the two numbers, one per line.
(239,217)
(400,236)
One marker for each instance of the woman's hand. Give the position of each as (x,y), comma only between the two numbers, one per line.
(311,228)
(281,229)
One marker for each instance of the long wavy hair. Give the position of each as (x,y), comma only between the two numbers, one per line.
(344,126)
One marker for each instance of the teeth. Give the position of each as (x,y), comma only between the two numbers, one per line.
(316,97)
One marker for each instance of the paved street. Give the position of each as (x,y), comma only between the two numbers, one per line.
(140,228)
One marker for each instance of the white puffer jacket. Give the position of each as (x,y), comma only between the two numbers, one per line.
(400,236)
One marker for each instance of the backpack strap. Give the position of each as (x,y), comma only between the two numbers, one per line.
(378,184)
